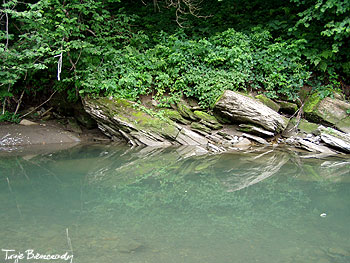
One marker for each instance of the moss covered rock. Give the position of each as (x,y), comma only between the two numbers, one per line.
(185,111)
(119,118)
(306,126)
(201,115)
(200,127)
(268,102)
(288,107)
(329,111)
(302,126)
(208,120)
(175,116)
(255,130)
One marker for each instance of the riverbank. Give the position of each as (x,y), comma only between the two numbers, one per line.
(38,135)
(236,122)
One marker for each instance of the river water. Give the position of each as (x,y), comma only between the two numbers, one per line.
(113,204)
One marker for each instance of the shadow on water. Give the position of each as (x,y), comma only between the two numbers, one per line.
(117,204)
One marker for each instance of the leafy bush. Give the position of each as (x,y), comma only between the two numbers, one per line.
(9,117)
(103,48)
(202,68)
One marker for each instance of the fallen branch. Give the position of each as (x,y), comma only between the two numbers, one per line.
(39,105)
(298,117)
(47,111)
(7,30)
(19,102)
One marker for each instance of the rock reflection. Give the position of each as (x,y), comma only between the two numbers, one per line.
(255,169)
(114,165)
(125,204)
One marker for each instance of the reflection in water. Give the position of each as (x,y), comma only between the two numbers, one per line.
(116,204)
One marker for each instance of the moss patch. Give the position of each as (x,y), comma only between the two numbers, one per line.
(214,126)
(185,111)
(198,126)
(310,108)
(268,102)
(305,126)
(126,111)
(311,103)
(205,116)
(175,116)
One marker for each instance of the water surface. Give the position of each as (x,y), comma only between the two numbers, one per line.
(105,203)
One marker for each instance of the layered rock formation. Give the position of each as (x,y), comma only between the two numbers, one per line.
(239,122)
(328,111)
(243,109)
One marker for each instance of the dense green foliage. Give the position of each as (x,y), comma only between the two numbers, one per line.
(202,68)
(128,49)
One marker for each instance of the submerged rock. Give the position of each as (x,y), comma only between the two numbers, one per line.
(241,108)
(130,247)
(331,111)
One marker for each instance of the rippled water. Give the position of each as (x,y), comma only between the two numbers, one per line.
(105,203)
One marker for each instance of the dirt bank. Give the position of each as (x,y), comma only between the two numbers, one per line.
(17,137)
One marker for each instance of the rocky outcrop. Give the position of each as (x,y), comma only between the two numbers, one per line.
(243,109)
(207,120)
(313,147)
(329,111)
(334,138)
(239,122)
(121,119)
(324,140)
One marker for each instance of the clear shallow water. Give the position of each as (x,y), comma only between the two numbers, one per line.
(116,204)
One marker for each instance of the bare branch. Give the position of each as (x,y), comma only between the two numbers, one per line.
(156,6)
(92,32)
(39,105)
(7,29)
(19,102)
(185,7)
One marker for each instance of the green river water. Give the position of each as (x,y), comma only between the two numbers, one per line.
(114,204)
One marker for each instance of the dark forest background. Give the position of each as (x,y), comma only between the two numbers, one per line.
(171,48)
